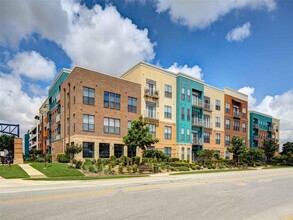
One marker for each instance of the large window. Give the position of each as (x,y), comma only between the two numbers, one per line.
(218,122)
(188,114)
(152,129)
(218,105)
(227,155)
(132,102)
(151,111)
(152,88)
(207,121)
(111,100)
(168,132)
(183,93)
(168,91)
(188,134)
(118,150)
(236,125)
(88,150)
(227,124)
(227,140)
(182,153)
(182,134)
(167,151)
(188,95)
(227,107)
(168,111)
(104,150)
(182,114)
(206,137)
(88,123)
(218,136)
(112,126)
(88,96)
(244,127)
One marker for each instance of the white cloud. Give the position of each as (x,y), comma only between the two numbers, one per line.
(17,106)
(239,33)
(200,14)
(32,65)
(249,91)
(94,38)
(194,71)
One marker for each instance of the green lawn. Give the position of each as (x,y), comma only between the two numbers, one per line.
(277,167)
(12,172)
(89,177)
(210,171)
(57,170)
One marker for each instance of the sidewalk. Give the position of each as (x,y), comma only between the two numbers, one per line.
(32,172)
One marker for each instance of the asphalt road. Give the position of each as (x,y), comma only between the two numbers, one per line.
(260,194)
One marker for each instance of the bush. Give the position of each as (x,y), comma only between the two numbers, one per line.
(136,160)
(92,169)
(120,168)
(74,161)
(78,164)
(182,168)
(123,159)
(49,158)
(31,159)
(173,159)
(40,160)
(128,169)
(63,158)
(179,164)
(134,168)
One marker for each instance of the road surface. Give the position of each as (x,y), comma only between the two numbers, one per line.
(260,194)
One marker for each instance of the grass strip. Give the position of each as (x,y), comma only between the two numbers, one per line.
(277,167)
(210,171)
(57,170)
(12,172)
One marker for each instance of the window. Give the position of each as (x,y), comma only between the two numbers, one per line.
(188,95)
(244,112)
(168,91)
(74,120)
(218,138)
(150,147)
(227,124)
(132,104)
(218,122)
(227,107)
(207,121)
(188,134)
(152,129)
(151,88)
(74,93)
(188,153)
(227,156)
(182,153)
(182,134)
(131,152)
(244,127)
(111,126)
(104,150)
(218,105)
(168,111)
(167,151)
(188,114)
(88,150)
(88,96)
(88,123)
(236,125)
(151,111)
(227,140)
(183,93)
(182,114)
(118,150)
(168,132)
(111,100)
(206,137)
(128,124)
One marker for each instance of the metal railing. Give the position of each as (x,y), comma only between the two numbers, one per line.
(197,122)
(197,102)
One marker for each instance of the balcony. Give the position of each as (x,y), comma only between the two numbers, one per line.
(197,122)
(256,126)
(207,125)
(196,141)
(256,137)
(154,94)
(151,117)
(236,114)
(58,118)
(208,107)
(197,103)
(58,98)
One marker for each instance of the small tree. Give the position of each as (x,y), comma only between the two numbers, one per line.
(7,142)
(237,148)
(72,150)
(250,156)
(287,153)
(269,147)
(138,136)
(205,156)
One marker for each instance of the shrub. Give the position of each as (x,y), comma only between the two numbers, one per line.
(136,160)
(193,166)
(31,159)
(128,169)
(110,170)
(120,168)
(101,168)
(173,159)
(134,168)
(182,168)
(92,169)
(40,160)
(88,162)
(74,161)
(123,159)
(153,153)
(63,158)
(49,158)
(179,164)
(78,164)
(113,157)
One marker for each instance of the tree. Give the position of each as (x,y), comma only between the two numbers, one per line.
(237,148)
(287,153)
(250,156)
(138,136)
(269,147)
(72,150)
(7,142)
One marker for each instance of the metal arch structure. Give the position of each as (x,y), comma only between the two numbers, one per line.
(12,129)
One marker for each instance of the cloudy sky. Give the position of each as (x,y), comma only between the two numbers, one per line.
(242,44)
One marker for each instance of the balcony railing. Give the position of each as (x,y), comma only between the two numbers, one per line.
(256,137)
(197,103)
(57,98)
(236,114)
(208,107)
(197,122)
(57,118)
(207,124)
(151,93)
(197,141)
(151,117)
(256,126)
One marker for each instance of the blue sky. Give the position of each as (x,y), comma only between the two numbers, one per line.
(240,44)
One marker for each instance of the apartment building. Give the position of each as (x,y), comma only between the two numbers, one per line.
(189,123)
(43,118)
(236,116)
(95,112)
(214,121)
(158,103)
(276,132)
(34,138)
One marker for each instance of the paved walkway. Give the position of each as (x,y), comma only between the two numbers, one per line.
(32,172)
